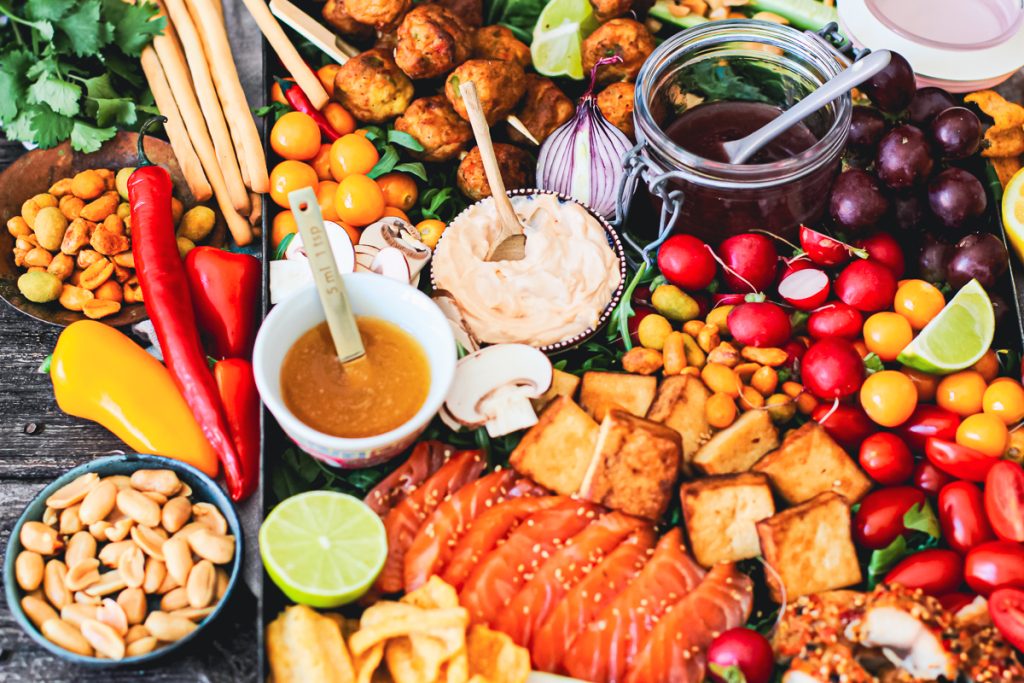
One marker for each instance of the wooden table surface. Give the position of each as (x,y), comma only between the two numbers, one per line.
(38,442)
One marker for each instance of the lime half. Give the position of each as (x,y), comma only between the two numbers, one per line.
(957,337)
(561,27)
(322,548)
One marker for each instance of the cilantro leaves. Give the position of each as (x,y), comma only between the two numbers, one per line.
(68,69)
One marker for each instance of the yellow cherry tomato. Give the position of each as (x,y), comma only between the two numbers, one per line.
(988,365)
(961,392)
(295,136)
(325,195)
(326,75)
(918,301)
(321,163)
(359,200)
(926,383)
(1005,399)
(290,175)
(888,397)
(399,190)
(352,154)
(984,433)
(886,334)
(430,231)
(395,212)
(341,121)
(283,225)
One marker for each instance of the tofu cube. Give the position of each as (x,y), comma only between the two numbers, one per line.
(679,404)
(605,391)
(557,451)
(562,384)
(737,447)
(721,515)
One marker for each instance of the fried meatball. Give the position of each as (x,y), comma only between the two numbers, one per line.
(610,9)
(471,12)
(498,42)
(436,126)
(431,41)
(499,85)
(343,24)
(517,170)
(616,103)
(372,87)
(543,109)
(626,38)
(381,14)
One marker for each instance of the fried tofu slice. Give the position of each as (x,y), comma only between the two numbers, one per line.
(721,514)
(810,548)
(557,451)
(604,391)
(809,462)
(562,384)
(739,446)
(679,404)
(635,467)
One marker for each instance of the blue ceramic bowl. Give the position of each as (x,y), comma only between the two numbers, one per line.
(204,489)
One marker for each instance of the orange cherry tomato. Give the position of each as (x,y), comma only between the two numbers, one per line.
(918,301)
(283,225)
(984,433)
(961,392)
(399,190)
(353,233)
(395,212)
(290,175)
(321,163)
(341,121)
(295,136)
(926,383)
(888,397)
(430,231)
(988,365)
(325,197)
(1004,398)
(352,154)
(359,200)
(886,334)
(326,75)
(276,95)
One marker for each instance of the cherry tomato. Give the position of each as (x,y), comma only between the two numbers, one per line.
(746,649)
(1006,607)
(325,197)
(961,392)
(321,163)
(291,175)
(886,458)
(295,136)
(984,433)
(430,232)
(395,212)
(988,365)
(848,424)
(886,334)
(934,571)
(352,154)
(880,518)
(283,225)
(686,262)
(929,478)
(1004,500)
(353,233)
(962,516)
(326,75)
(996,564)
(926,421)
(918,301)
(926,383)
(359,200)
(399,190)
(959,461)
(954,602)
(339,118)
(1004,399)
(888,397)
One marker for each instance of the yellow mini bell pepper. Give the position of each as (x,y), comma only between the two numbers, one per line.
(100,374)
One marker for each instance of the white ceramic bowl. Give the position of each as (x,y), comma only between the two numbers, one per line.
(370,295)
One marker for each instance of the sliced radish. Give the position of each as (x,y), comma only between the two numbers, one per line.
(805,289)
(391,262)
(341,247)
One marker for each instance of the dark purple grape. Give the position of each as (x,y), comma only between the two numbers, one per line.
(956,197)
(867,126)
(999,309)
(934,259)
(909,209)
(956,132)
(857,202)
(980,256)
(904,158)
(892,88)
(926,105)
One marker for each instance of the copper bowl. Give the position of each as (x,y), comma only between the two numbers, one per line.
(34,173)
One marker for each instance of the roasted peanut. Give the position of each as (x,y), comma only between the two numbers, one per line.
(136,631)
(38,610)
(87,258)
(119,530)
(167,586)
(74,298)
(720,410)
(806,403)
(81,546)
(18,227)
(28,570)
(99,529)
(695,357)
(209,516)
(99,502)
(141,646)
(178,558)
(745,371)
(642,361)
(111,582)
(160,481)
(792,389)
(84,599)
(176,598)
(781,408)
(109,178)
(54,575)
(124,210)
(708,338)
(132,567)
(222,582)
(76,236)
(175,514)
(30,209)
(217,548)
(151,540)
(771,357)
(103,638)
(125,260)
(50,517)
(693,327)
(98,210)
(96,274)
(750,398)
(108,243)
(26,242)
(75,613)
(38,257)
(40,538)
(121,275)
(61,266)
(157,498)
(137,506)
(60,188)
(49,227)
(765,380)
(201,584)
(156,572)
(133,603)
(114,224)
(719,317)
(73,492)
(65,635)
(70,522)
(71,207)
(720,379)
(167,627)
(110,554)
(196,614)
(88,185)
(100,308)
(109,291)
(674,353)
(724,354)
(132,291)
(112,614)
(82,575)
(19,257)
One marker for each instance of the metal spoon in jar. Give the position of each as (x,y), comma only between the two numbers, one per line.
(739,151)
(510,244)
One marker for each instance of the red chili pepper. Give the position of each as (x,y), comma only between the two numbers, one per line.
(225,288)
(165,288)
(241,400)
(293,93)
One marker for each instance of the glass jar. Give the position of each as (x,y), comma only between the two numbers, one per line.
(738,60)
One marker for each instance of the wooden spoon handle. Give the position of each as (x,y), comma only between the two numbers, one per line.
(507,218)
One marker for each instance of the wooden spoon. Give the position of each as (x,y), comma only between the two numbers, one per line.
(333,296)
(510,244)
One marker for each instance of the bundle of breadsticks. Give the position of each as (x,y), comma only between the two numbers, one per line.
(195,84)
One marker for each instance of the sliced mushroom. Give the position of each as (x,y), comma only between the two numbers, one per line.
(493,388)
(391,262)
(450,307)
(398,234)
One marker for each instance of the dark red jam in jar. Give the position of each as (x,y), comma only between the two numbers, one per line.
(719,82)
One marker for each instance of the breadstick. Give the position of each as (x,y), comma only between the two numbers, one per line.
(256,214)
(289,56)
(232,97)
(208,102)
(188,160)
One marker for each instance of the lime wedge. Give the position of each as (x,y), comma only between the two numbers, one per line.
(322,548)
(561,27)
(957,337)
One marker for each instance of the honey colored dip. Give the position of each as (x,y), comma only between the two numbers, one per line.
(366,397)
(558,291)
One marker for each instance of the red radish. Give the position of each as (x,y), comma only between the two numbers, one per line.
(822,249)
(832,368)
(835,320)
(633,324)
(882,247)
(867,286)
(751,258)
(795,348)
(805,289)
(794,264)
(760,323)
(848,424)
(746,650)
(687,262)
(720,299)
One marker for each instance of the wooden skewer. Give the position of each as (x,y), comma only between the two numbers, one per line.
(518,124)
(313,31)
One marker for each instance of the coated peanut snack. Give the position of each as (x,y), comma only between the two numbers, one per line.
(74,242)
(120,566)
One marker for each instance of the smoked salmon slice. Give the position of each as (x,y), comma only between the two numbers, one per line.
(609,644)
(425,459)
